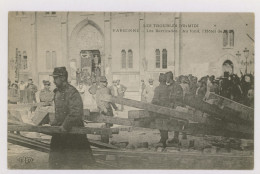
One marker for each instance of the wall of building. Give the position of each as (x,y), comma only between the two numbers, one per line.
(68,33)
(19,36)
(203,53)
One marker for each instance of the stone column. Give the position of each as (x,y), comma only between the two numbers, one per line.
(142,45)
(177,45)
(107,46)
(34,66)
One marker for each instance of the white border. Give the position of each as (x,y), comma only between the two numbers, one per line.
(120,5)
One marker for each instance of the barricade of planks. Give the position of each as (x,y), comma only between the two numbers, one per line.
(205,119)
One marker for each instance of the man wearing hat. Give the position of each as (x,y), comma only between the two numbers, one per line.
(175,97)
(70,151)
(31,90)
(121,91)
(46,95)
(149,91)
(103,106)
(161,98)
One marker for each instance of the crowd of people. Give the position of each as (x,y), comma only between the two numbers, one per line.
(238,89)
(21,92)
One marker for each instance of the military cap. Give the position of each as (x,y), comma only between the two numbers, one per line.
(46,82)
(59,71)
(103,79)
(162,77)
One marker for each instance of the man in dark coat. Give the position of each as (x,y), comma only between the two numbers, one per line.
(175,98)
(68,151)
(161,98)
(31,90)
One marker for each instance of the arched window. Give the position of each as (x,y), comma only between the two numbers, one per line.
(225,38)
(123,59)
(164,59)
(157,58)
(130,59)
(231,34)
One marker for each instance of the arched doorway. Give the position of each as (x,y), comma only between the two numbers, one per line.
(85,46)
(228,66)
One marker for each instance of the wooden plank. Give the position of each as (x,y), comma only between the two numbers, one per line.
(166,112)
(14,115)
(246,113)
(177,125)
(212,110)
(39,146)
(101,145)
(201,117)
(29,140)
(39,116)
(136,114)
(229,116)
(56,129)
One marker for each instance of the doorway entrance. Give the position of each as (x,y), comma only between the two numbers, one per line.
(228,66)
(91,63)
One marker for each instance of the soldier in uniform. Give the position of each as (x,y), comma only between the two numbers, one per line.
(161,98)
(175,98)
(69,151)
(31,90)
(46,95)
(104,107)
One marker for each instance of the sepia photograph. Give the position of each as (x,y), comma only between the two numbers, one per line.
(130,90)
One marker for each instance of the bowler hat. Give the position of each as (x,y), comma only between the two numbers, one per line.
(103,79)
(59,71)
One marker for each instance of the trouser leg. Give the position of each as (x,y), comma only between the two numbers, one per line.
(105,138)
(164,136)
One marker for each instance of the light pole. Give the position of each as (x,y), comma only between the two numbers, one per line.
(238,54)
(246,53)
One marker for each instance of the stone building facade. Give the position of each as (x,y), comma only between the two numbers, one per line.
(129,46)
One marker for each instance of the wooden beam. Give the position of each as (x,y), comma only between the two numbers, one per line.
(246,113)
(223,114)
(176,125)
(56,129)
(39,116)
(32,144)
(165,111)
(101,145)
(29,140)
(137,114)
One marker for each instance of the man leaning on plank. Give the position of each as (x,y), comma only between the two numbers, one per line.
(68,151)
